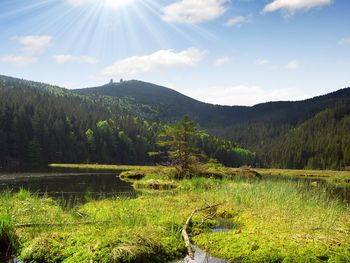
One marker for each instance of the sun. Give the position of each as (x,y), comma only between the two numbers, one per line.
(115,4)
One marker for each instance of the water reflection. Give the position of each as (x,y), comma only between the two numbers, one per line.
(77,187)
(201,256)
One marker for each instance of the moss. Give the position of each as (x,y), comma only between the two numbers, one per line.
(155,185)
(132,175)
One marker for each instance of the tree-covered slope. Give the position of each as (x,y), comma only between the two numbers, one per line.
(322,142)
(118,123)
(162,103)
(41,124)
(254,127)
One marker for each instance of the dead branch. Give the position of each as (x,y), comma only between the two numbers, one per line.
(185,228)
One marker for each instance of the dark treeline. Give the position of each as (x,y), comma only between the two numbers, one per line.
(323,142)
(41,124)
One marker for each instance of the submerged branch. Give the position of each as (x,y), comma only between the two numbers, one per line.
(185,228)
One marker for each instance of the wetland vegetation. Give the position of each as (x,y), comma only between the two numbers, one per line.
(272,221)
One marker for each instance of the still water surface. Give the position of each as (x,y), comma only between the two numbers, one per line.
(68,186)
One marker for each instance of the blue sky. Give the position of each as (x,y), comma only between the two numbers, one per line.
(232,52)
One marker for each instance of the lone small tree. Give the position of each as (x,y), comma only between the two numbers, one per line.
(179,141)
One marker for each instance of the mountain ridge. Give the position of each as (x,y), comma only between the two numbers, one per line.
(263,128)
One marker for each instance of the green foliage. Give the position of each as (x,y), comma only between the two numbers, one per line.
(179,142)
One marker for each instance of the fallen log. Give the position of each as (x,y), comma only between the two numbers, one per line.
(184,232)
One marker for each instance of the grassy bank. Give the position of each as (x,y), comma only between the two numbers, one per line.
(333,177)
(336,177)
(273,221)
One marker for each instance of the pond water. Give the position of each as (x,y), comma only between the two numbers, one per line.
(76,187)
(200,256)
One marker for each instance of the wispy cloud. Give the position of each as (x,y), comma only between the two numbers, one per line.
(293,65)
(160,60)
(238,21)
(194,11)
(261,62)
(292,6)
(62,59)
(222,61)
(344,41)
(20,61)
(34,45)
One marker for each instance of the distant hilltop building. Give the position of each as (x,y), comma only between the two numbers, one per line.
(112,82)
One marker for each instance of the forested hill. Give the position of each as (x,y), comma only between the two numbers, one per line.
(162,103)
(118,122)
(42,124)
(168,105)
(258,128)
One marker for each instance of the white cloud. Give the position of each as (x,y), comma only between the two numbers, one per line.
(344,41)
(246,95)
(194,11)
(107,3)
(293,65)
(160,60)
(237,21)
(261,62)
(62,59)
(34,45)
(222,61)
(291,6)
(19,60)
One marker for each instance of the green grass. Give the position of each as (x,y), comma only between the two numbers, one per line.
(333,177)
(8,238)
(272,221)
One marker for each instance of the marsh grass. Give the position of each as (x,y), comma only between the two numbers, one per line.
(8,237)
(281,221)
(332,177)
(272,221)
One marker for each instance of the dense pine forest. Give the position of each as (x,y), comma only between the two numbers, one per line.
(120,122)
(41,124)
(322,142)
